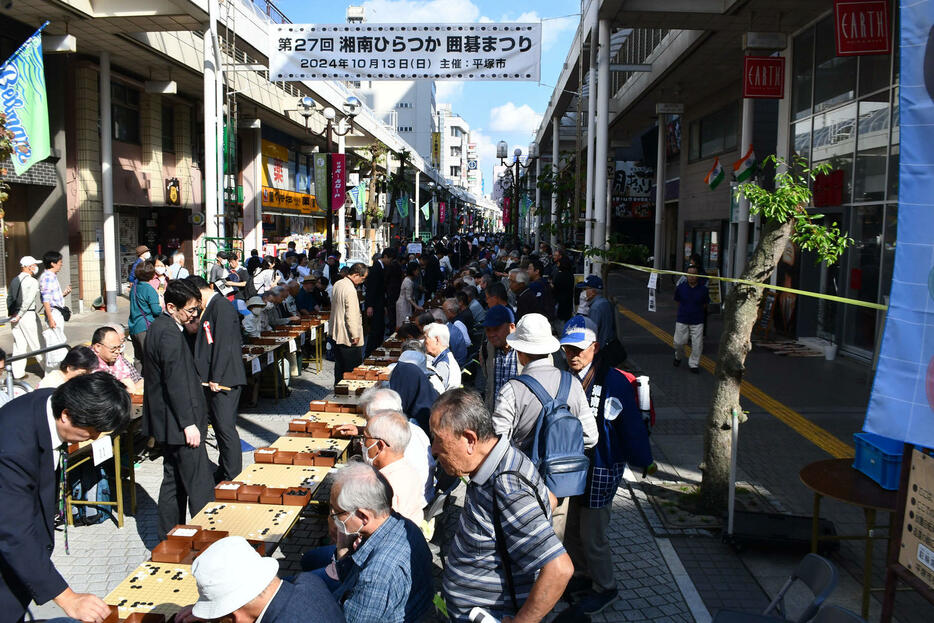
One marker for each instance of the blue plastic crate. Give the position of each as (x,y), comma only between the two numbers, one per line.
(880,458)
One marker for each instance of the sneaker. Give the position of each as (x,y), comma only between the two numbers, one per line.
(595,603)
(677,362)
(695,370)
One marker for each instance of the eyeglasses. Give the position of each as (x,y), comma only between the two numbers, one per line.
(365,437)
(116,349)
(192,311)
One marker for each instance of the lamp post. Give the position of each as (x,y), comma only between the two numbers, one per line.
(350,108)
(501,152)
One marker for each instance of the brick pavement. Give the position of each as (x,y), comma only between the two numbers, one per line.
(832,394)
(648,571)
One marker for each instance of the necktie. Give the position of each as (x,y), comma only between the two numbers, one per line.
(62,488)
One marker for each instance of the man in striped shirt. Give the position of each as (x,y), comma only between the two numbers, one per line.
(504,556)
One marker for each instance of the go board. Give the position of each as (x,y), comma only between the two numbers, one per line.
(261,522)
(283,476)
(311,444)
(155,587)
(335,419)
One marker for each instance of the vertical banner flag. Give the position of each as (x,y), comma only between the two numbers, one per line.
(338,180)
(489,51)
(322,193)
(902,401)
(22,87)
(426,209)
(402,205)
(715,175)
(442,211)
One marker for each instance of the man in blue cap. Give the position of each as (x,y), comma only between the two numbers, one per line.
(498,359)
(601,310)
(623,438)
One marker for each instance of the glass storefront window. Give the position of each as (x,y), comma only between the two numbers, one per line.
(888,249)
(872,146)
(803,68)
(802,145)
(835,76)
(833,142)
(863,277)
(874,73)
(892,190)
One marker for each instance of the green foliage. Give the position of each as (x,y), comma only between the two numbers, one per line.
(789,201)
(6,150)
(561,182)
(620,251)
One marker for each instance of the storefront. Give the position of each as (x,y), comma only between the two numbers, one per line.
(844,112)
(289,206)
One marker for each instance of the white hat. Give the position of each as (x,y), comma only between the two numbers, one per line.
(28,260)
(230,574)
(255,301)
(533,336)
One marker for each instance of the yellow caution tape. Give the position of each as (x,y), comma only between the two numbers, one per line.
(755,284)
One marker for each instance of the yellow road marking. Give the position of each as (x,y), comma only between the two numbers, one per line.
(820,437)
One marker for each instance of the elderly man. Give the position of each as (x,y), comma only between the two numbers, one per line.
(108,345)
(497,359)
(437,342)
(257,321)
(496,295)
(381,566)
(537,284)
(305,300)
(235,581)
(177,270)
(692,296)
(460,338)
(528,301)
(504,556)
(385,439)
(476,309)
(23,305)
(518,409)
(599,309)
(346,322)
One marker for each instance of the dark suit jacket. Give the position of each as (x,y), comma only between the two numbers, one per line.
(296,601)
(173,398)
(376,288)
(219,358)
(28,503)
(394,277)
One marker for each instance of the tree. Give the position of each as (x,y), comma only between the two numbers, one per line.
(784,219)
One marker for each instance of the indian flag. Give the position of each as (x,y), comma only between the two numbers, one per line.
(715,175)
(745,166)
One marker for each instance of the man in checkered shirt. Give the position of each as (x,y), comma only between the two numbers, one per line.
(613,400)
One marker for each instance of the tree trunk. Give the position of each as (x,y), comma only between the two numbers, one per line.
(739,317)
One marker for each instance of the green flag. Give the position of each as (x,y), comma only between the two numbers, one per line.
(321,180)
(22,89)
(402,205)
(426,209)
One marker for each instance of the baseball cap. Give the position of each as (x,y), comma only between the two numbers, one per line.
(28,260)
(497,316)
(580,331)
(592,281)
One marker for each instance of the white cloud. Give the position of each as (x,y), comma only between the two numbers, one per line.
(449,91)
(421,11)
(511,118)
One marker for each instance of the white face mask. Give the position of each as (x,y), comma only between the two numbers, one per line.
(34,269)
(342,526)
(160,270)
(270,305)
(366,453)
(146,255)
(256,311)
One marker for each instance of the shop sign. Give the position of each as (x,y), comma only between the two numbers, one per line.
(435,148)
(173,192)
(488,51)
(289,201)
(862,27)
(275,165)
(338,180)
(631,195)
(764,77)
(321,179)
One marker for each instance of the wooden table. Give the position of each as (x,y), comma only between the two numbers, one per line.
(838,480)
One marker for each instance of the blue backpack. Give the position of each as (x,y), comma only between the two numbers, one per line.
(558,444)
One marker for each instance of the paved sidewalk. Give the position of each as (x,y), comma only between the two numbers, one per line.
(831,394)
(654,585)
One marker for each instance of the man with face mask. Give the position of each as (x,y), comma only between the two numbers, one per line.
(384,441)
(381,566)
(255,323)
(218,269)
(23,304)
(142,254)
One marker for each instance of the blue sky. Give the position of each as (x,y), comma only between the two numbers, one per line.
(509,111)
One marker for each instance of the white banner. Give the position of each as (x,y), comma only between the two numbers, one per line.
(501,51)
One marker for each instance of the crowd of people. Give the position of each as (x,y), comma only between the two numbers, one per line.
(508,379)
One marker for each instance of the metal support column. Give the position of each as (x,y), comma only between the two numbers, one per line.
(107,188)
(742,225)
(602,143)
(209,93)
(591,125)
(418,205)
(661,161)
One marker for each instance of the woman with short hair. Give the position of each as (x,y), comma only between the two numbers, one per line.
(144,308)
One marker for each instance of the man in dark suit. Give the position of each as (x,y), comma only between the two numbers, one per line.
(175,412)
(36,430)
(234,581)
(219,359)
(375,302)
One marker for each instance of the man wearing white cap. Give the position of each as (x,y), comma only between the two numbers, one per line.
(233,580)
(23,304)
(256,322)
(517,409)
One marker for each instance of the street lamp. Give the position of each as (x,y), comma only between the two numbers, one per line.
(351,108)
(501,149)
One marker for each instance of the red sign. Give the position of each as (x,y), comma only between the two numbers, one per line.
(764,77)
(862,27)
(442,212)
(338,181)
(828,189)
